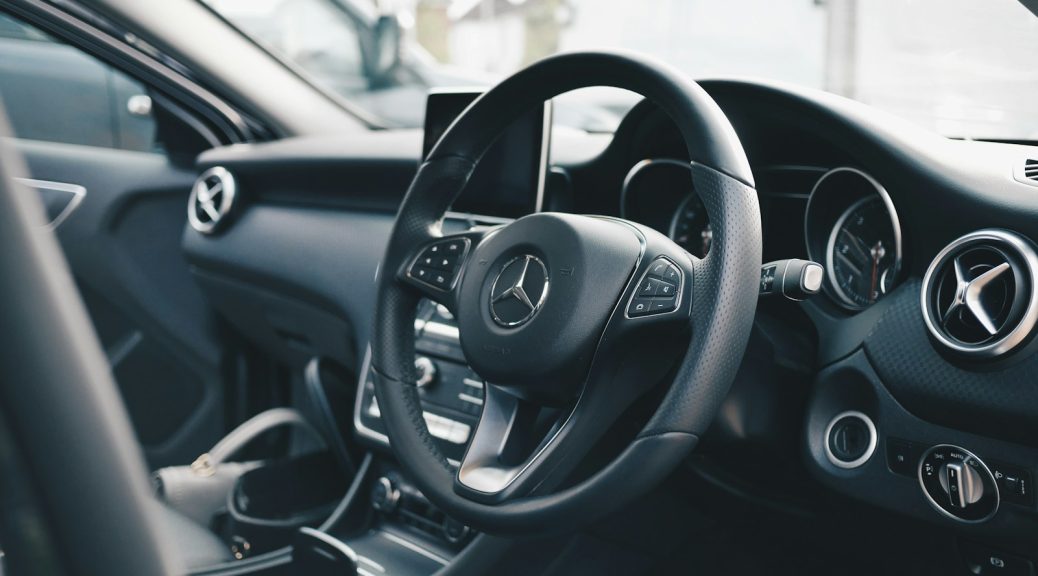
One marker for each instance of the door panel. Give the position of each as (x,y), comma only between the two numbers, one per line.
(123,244)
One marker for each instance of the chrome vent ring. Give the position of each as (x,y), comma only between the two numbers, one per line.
(979,294)
(212,198)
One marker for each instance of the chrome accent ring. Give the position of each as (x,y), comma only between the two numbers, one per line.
(869,450)
(202,199)
(936,506)
(1027,322)
(842,298)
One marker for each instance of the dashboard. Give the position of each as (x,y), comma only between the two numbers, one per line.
(908,384)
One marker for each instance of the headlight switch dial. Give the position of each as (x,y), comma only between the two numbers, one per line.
(958,484)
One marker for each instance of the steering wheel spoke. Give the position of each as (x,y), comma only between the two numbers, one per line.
(524,444)
(503,447)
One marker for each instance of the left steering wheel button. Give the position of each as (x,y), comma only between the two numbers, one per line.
(440,278)
(419,273)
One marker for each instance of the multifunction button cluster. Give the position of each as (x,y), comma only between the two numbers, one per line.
(657,291)
(438,264)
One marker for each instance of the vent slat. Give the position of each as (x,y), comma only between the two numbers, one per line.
(1029,170)
(1000,266)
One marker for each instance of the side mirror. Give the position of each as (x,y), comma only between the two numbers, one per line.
(384,51)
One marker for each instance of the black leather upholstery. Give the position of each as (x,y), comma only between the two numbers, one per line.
(193,544)
(62,409)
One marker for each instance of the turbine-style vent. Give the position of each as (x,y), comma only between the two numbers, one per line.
(979,294)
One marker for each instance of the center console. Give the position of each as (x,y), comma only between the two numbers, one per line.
(451,393)
(508,183)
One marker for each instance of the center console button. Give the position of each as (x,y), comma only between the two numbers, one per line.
(984,560)
(1014,483)
(425,371)
(903,456)
(385,495)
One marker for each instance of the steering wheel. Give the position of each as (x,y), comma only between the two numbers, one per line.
(570,319)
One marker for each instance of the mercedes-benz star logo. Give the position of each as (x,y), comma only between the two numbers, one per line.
(519,291)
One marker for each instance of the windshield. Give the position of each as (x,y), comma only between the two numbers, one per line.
(964,68)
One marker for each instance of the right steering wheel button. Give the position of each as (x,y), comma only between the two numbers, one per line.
(666,290)
(672,274)
(658,306)
(640,307)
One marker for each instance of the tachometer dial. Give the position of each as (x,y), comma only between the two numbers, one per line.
(862,253)
(690,227)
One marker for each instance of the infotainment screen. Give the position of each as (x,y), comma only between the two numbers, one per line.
(509,180)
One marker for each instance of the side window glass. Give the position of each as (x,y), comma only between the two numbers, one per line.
(316,35)
(54,92)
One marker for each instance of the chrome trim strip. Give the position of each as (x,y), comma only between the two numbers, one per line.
(78,194)
(358,423)
(442,330)
(414,548)
(542,172)
(330,541)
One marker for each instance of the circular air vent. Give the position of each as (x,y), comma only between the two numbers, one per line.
(979,296)
(212,198)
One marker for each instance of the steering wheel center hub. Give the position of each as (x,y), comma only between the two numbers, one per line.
(538,293)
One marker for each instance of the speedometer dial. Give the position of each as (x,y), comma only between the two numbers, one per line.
(863,253)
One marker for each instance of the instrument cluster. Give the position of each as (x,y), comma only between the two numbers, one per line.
(850,225)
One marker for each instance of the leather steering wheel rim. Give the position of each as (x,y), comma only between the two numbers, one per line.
(722,300)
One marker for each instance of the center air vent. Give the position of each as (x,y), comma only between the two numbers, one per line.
(211,200)
(979,296)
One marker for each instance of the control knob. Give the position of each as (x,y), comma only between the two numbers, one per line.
(958,484)
(425,371)
(385,496)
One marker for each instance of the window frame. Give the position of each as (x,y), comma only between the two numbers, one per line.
(192,103)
